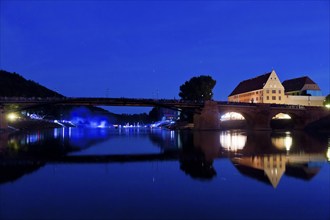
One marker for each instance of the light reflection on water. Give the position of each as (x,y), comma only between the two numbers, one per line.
(283,142)
(116,166)
(233,140)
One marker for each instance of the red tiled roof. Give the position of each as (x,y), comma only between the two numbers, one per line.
(251,84)
(297,84)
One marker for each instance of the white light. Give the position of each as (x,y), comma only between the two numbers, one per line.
(327,105)
(288,142)
(328,154)
(233,141)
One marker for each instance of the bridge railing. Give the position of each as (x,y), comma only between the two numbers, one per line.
(13,100)
(269,105)
(98,100)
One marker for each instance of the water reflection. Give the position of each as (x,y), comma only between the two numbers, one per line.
(328,152)
(197,154)
(264,156)
(283,142)
(270,168)
(24,153)
(233,140)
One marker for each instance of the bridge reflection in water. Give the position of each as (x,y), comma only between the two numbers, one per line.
(264,156)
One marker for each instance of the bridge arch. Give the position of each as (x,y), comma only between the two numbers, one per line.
(256,119)
(266,118)
(282,116)
(232,120)
(285,120)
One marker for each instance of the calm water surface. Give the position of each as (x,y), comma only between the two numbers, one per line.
(76,173)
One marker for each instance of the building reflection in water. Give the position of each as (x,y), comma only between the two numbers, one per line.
(272,167)
(269,167)
(265,156)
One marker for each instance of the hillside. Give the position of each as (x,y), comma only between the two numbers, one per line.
(14,85)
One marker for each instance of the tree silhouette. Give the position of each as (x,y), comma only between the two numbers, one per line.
(197,88)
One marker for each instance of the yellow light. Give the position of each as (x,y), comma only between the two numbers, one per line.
(12,116)
(232,116)
(282,116)
(282,142)
(327,105)
(328,154)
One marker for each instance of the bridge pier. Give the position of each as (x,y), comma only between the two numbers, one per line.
(260,123)
(209,118)
(3,119)
(258,119)
(299,124)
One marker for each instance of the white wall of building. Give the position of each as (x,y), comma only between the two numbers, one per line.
(305,100)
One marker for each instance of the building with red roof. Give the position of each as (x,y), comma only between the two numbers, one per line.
(267,88)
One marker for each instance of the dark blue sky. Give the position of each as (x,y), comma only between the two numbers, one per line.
(145,49)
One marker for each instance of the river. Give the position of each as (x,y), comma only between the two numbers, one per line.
(75,173)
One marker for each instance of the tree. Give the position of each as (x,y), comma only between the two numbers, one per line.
(197,88)
(154,114)
(327,101)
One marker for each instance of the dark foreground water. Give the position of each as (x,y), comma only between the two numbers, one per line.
(158,174)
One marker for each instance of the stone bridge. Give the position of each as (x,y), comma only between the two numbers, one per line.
(258,116)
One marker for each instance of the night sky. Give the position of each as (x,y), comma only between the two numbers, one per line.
(147,49)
